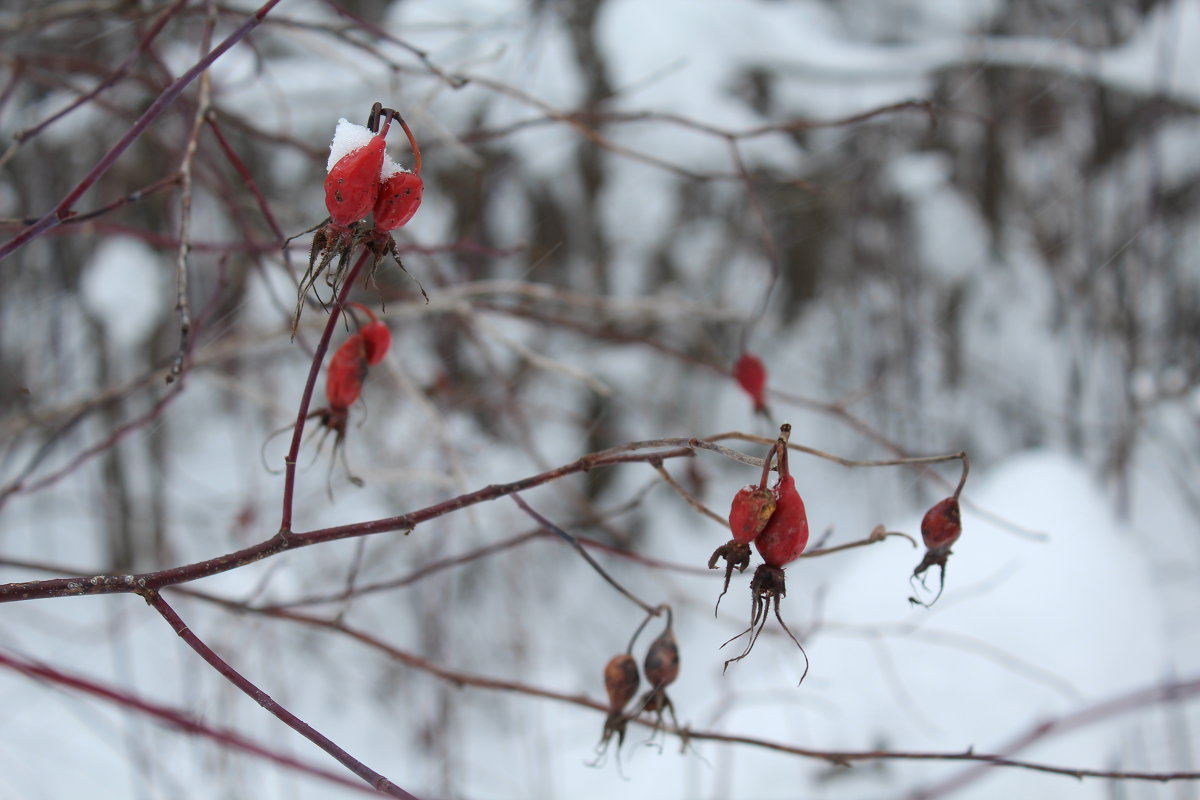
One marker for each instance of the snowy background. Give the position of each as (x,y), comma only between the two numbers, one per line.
(621,196)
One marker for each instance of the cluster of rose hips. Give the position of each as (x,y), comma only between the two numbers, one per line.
(621,681)
(363,182)
(775,522)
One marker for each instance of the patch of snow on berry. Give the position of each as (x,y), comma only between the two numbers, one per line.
(390,168)
(347,137)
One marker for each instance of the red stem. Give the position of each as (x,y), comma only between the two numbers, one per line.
(785,432)
(373,778)
(172,717)
(289,478)
(244,173)
(152,581)
(144,43)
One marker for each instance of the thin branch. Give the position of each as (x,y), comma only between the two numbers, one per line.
(178,719)
(1170,692)
(373,779)
(571,540)
(689,498)
(289,477)
(63,210)
(182,304)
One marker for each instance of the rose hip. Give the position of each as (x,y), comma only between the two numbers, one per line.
(399,198)
(780,542)
(751,510)
(786,533)
(662,668)
(940,529)
(751,374)
(749,513)
(942,524)
(621,682)
(353,183)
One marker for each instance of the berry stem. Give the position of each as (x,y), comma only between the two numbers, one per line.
(289,478)
(966,467)
(781,444)
(766,471)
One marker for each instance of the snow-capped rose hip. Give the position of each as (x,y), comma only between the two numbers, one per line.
(357,156)
(399,197)
(352,184)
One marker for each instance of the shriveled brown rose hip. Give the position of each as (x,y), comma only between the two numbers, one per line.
(621,680)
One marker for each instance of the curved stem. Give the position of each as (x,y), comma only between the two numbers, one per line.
(966,467)
(571,540)
(781,446)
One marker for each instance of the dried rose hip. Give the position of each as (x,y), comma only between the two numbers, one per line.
(621,683)
(662,668)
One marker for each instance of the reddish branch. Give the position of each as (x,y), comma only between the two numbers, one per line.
(152,581)
(372,778)
(64,209)
(1178,691)
(289,476)
(172,717)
